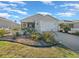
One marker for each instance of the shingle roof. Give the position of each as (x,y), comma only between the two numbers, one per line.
(33,18)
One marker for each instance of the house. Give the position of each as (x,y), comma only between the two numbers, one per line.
(73,24)
(41,23)
(7,24)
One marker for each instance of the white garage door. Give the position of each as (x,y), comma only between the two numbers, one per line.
(48,26)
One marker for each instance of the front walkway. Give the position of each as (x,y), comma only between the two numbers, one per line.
(68,40)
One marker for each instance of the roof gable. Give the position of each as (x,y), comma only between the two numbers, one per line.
(39,16)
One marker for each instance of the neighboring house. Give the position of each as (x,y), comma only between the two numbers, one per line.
(41,23)
(7,24)
(74,25)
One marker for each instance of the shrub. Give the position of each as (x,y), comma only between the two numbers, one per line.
(66,29)
(49,37)
(14,36)
(2,32)
(30,30)
(35,36)
(17,34)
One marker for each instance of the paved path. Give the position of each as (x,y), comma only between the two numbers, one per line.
(68,40)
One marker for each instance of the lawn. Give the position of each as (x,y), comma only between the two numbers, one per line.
(11,50)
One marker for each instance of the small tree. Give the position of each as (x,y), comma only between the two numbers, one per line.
(66,29)
(2,32)
(62,25)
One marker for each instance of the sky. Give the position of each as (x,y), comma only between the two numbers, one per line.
(18,10)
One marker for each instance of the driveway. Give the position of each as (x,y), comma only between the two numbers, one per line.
(68,40)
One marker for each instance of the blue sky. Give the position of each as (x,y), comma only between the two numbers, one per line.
(18,10)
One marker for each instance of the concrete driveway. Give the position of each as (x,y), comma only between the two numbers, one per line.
(68,40)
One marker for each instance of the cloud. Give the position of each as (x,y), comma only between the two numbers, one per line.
(66,14)
(44,13)
(5,15)
(17,2)
(24,8)
(21,12)
(72,9)
(3,4)
(48,2)
(74,5)
(15,10)
(13,5)
(6,7)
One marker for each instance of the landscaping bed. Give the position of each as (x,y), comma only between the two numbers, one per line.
(33,43)
(34,38)
(30,37)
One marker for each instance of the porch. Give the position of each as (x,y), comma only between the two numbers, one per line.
(27,25)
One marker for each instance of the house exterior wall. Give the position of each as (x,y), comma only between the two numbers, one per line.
(42,26)
(48,26)
(75,26)
(37,26)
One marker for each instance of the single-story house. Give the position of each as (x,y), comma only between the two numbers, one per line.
(7,24)
(41,23)
(74,25)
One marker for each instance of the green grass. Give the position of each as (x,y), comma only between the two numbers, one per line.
(11,50)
